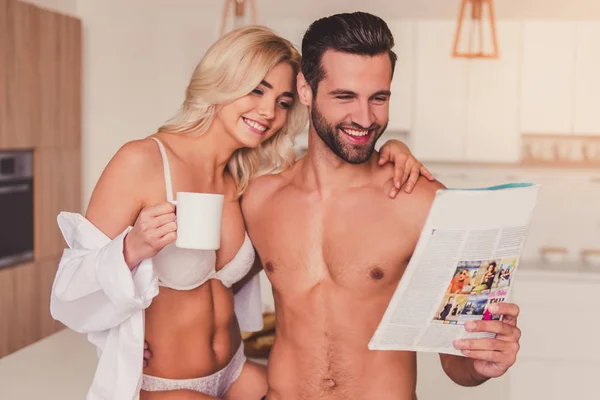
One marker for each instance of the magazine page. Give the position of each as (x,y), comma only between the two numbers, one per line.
(466,259)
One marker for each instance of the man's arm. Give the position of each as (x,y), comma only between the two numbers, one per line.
(485,358)
(407,168)
(461,370)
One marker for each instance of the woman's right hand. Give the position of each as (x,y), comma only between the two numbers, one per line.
(154,228)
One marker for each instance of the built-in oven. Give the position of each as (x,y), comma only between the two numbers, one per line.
(16,207)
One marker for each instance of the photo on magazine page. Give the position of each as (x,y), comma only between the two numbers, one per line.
(473,287)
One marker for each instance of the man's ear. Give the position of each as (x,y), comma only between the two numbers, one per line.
(304,91)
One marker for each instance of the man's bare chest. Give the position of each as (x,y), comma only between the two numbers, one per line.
(352,242)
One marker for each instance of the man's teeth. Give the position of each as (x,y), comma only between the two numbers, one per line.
(255,125)
(354,132)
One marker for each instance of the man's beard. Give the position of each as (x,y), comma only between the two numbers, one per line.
(353,154)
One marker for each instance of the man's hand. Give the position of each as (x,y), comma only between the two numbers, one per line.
(493,357)
(406,167)
(147,354)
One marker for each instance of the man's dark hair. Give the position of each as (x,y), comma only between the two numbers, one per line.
(357,33)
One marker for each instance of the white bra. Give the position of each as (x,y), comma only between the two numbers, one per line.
(185,269)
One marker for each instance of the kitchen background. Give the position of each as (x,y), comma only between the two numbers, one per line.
(529,115)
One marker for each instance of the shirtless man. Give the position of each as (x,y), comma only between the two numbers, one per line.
(335,260)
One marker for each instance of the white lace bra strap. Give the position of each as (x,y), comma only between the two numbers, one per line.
(166,168)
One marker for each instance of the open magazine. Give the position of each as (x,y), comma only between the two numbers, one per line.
(465,260)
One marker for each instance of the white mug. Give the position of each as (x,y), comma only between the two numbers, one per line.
(199,217)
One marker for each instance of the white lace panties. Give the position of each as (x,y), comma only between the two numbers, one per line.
(215,385)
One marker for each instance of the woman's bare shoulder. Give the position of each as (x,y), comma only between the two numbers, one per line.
(126,185)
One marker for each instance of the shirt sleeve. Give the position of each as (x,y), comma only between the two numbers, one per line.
(94,289)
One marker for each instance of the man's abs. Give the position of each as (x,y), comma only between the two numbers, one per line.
(320,351)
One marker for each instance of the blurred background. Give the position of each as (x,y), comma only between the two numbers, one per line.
(492,97)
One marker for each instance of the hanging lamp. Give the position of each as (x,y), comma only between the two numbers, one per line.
(239,17)
(478,29)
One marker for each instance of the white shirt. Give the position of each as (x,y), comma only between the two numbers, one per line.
(95,292)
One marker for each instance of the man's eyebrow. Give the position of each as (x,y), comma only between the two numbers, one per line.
(382,93)
(346,92)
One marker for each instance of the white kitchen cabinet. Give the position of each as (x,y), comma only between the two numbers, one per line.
(401,102)
(547,77)
(587,79)
(492,133)
(560,353)
(441,83)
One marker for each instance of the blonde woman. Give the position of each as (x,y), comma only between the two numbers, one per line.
(122,278)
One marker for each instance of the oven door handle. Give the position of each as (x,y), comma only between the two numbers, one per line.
(22,187)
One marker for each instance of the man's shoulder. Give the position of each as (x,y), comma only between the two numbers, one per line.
(425,189)
(419,201)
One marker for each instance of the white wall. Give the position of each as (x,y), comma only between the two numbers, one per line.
(137,59)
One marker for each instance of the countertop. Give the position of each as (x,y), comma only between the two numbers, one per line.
(59,367)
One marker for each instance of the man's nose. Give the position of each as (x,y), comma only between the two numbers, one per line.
(363,115)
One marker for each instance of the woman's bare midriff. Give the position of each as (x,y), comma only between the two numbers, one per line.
(191,333)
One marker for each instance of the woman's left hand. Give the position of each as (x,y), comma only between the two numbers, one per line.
(407,168)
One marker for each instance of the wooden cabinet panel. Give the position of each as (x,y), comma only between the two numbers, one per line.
(57,188)
(40,109)
(5,56)
(25,322)
(41,77)
(6,308)
(48,69)
(60,72)
(70,111)
(46,271)
(23,80)
(19,310)
(25,304)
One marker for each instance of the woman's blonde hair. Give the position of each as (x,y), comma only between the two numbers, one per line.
(232,68)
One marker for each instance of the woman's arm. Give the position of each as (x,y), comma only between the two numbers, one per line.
(407,168)
(94,288)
